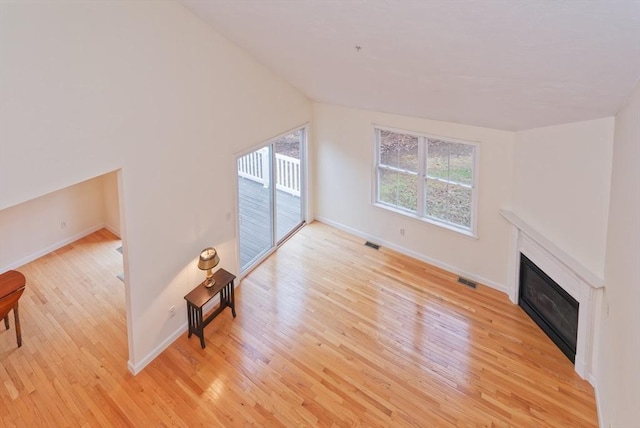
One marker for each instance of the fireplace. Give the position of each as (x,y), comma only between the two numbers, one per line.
(572,277)
(552,308)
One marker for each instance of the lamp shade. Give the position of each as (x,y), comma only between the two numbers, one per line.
(208,258)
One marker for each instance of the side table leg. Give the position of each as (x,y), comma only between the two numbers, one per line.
(233,300)
(18,331)
(189,319)
(200,327)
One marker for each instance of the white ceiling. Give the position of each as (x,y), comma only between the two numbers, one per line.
(502,64)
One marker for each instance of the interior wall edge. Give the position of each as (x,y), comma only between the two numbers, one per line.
(136,368)
(593,380)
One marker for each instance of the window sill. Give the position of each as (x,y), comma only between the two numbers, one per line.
(464,232)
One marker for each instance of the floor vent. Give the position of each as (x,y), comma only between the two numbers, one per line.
(372,245)
(467,282)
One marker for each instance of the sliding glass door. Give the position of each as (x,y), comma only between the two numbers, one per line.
(288,184)
(270,196)
(254,205)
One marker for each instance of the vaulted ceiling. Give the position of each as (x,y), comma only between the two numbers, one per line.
(502,64)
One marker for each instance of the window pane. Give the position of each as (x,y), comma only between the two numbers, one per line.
(399,150)
(448,202)
(450,161)
(460,205)
(398,189)
(461,163)
(288,179)
(254,206)
(437,200)
(438,159)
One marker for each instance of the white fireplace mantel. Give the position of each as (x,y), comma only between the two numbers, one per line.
(576,279)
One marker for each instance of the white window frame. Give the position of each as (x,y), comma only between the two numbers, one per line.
(421,174)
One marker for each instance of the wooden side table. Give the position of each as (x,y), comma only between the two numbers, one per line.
(12,284)
(200,295)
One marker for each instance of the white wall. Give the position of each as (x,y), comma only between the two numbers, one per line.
(34,228)
(92,87)
(561,186)
(619,368)
(111,202)
(344,151)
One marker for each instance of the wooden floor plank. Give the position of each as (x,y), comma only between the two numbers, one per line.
(329,333)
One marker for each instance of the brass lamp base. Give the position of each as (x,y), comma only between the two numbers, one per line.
(209,281)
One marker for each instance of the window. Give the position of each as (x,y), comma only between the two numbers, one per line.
(427,177)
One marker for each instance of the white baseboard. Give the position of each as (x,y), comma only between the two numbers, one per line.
(136,368)
(500,287)
(51,248)
(112,230)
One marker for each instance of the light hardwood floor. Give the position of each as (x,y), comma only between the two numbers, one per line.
(329,333)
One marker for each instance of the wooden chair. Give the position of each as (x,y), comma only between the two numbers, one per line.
(12,284)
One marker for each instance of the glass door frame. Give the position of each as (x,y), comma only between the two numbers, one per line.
(304,173)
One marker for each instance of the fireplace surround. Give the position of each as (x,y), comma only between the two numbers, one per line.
(570,275)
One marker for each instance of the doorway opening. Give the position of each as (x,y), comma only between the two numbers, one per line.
(68,243)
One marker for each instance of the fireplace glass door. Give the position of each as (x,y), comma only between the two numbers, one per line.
(551,307)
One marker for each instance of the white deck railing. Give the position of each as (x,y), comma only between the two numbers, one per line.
(255,166)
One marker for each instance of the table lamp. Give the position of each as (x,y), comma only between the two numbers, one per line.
(208,260)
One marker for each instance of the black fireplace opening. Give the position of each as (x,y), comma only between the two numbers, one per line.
(552,308)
